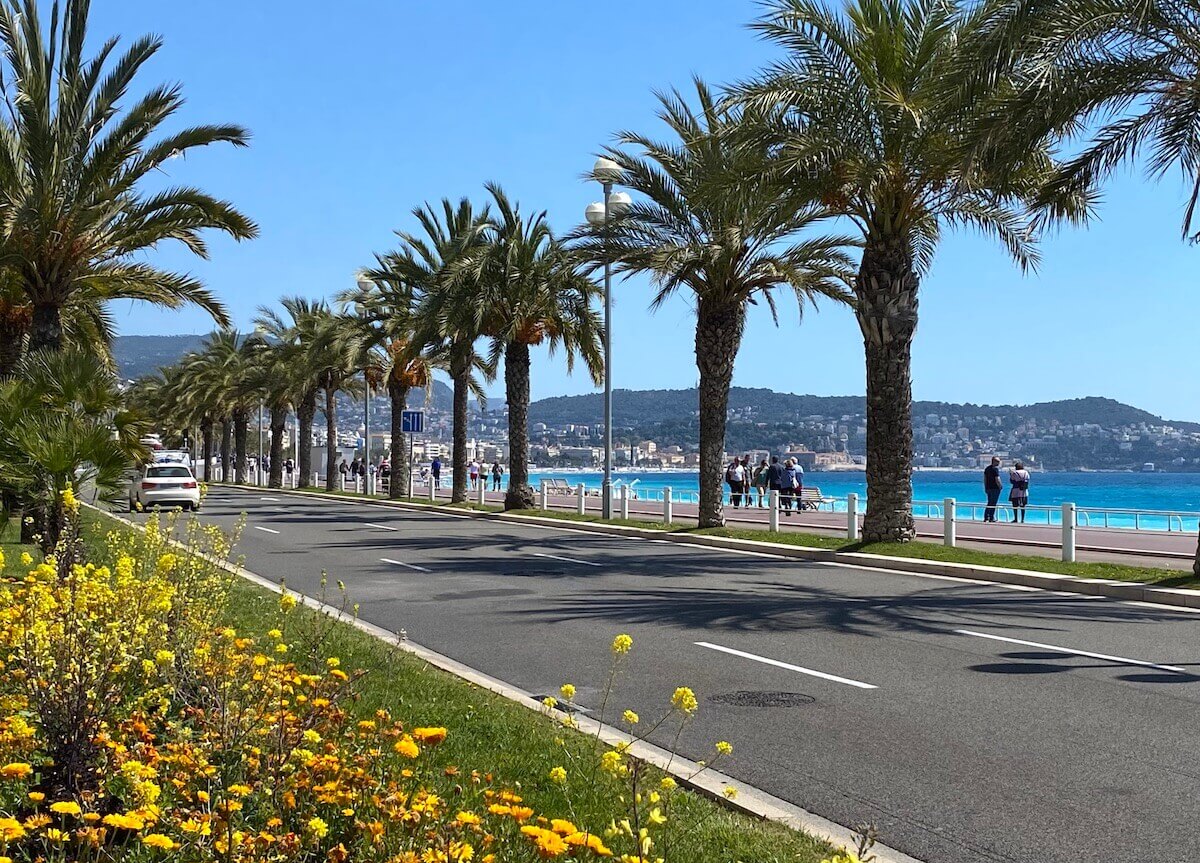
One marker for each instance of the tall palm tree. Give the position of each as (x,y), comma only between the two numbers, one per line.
(449,306)
(230,360)
(717,220)
(884,109)
(73,164)
(532,292)
(299,329)
(336,357)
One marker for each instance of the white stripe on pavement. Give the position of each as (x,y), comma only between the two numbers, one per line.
(379,526)
(264,529)
(1121,660)
(402,563)
(271,499)
(821,674)
(564,559)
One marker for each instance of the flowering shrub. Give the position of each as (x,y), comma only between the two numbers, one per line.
(133,726)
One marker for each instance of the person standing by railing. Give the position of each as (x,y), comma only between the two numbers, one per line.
(992,486)
(761,481)
(735,476)
(1018,495)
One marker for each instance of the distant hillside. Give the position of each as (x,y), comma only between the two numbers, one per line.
(640,407)
(143,355)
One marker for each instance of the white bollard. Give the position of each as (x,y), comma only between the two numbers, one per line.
(1068,532)
(432,491)
(581,503)
(667,505)
(482,492)
(950,522)
(544,495)
(342,482)
(773,503)
(625,502)
(852,517)
(412,483)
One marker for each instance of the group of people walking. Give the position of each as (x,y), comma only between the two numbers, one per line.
(477,473)
(1018,489)
(755,483)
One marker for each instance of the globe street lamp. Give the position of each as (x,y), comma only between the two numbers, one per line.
(365,285)
(607,172)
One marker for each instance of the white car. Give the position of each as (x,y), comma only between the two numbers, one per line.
(165,485)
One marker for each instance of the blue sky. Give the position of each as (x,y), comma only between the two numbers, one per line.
(362,110)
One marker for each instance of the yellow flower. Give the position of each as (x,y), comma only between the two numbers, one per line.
(621,644)
(558,774)
(845,857)
(684,699)
(65,807)
(332,662)
(406,747)
(274,633)
(667,783)
(567,690)
(70,502)
(126,821)
(610,762)
(37,796)
(467,819)
(26,559)
(240,790)
(318,828)
(630,717)
(724,748)
(730,792)
(16,770)
(430,736)
(656,816)
(287,602)
(549,843)
(55,835)
(550,701)
(10,829)
(164,657)
(158,840)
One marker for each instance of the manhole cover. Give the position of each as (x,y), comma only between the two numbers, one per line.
(763,699)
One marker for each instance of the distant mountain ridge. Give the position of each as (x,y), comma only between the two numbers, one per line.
(639,407)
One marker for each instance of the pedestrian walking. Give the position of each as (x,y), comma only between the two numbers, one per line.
(775,476)
(435,469)
(497,474)
(747,478)
(288,466)
(735,476)
(344,470)
(761,480)
(1018,494)
(992,486)
(473,473)
(790,486)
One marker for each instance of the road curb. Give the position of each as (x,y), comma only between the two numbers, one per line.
(749,800)
(1126,590)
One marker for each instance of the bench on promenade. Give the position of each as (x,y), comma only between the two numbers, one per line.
(811,498)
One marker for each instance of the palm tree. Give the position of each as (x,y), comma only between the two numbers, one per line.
(884,109)
(532,292)
(229,360)
(335,356)
(449,304)
(299,333)
(72,164)
(718,221)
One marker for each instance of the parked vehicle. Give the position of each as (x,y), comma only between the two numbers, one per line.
(169,484)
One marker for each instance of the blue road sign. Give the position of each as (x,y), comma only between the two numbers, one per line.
(412,422)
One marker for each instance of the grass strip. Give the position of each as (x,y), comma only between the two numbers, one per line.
(520,747)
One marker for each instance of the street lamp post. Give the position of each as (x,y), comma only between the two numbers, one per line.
(607,172)
(260,445)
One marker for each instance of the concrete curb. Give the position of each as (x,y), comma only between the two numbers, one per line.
(1126,590)
(711,783)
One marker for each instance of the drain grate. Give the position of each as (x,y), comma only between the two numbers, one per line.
(746,698)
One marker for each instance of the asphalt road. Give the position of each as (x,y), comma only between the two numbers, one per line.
(967,747)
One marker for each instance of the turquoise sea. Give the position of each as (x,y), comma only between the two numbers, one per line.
(1092,492)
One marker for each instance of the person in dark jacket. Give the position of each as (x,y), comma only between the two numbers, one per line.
(775,476)
(992,486)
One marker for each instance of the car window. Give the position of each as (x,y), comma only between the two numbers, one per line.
(168,470)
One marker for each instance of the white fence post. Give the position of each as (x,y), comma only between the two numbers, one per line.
(667,505)
(1068,532)
(432,491)
(412,482)
(773,503)
(545,494)
(950,522)
(852,517)
(482,492)
(581,503)
(625,502)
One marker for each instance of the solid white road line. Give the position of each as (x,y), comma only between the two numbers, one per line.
(379,526)
(821,674)
(406,565)
(272,499)
(1120,660)
(564,559)
(264,529)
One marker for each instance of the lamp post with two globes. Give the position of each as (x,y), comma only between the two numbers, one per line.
(607,172)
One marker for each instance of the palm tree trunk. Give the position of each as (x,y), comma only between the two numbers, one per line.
(278,427)
(241,432)
(305,412)
(719,328)
(45,328)
(516,390)
(14,324)
(886,289)
(206,446)
(460,370)
(398,487)
(1196,564)
(331,450)
(226,448)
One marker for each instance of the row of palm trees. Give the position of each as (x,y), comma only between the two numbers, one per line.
(472,288)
